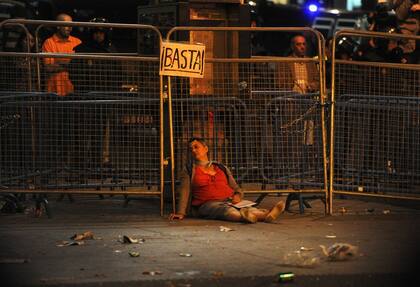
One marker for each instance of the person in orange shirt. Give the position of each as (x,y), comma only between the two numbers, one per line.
(61,42)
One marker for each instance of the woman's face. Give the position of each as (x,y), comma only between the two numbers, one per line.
(198,150)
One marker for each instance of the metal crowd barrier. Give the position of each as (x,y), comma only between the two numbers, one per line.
(375,124)
(271,135)
(103,138)
(82,143)
(106,139)
(378,152)
(294,155)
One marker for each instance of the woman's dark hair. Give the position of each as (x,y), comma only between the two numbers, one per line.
(189,156)
(201,140)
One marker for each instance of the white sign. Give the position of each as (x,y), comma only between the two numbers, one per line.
(184,60)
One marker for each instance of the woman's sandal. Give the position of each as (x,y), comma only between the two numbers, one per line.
(248,216)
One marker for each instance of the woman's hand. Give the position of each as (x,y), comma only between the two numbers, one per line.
(174,216)
(236,198)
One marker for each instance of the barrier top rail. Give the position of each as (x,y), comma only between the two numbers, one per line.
(147,58)
(414,67)
(81,56)
(319,36)
(360,33)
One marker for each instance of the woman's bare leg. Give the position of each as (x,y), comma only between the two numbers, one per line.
(233,215)
(261,214)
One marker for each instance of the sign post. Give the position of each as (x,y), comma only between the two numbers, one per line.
(179,60)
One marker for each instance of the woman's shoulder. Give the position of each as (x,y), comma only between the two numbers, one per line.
(222,167)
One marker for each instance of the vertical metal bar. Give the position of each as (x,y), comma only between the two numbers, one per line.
(322,55)
(332,127)
(171,143)
(162,144)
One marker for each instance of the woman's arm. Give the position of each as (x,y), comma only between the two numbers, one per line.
(238,194)
(184,191)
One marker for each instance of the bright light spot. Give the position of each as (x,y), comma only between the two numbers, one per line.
(252,3)
(341,41)
(313,8)
(335,11)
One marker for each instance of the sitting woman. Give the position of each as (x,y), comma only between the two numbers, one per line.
(208,189)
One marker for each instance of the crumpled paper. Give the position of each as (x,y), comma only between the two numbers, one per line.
(340,251)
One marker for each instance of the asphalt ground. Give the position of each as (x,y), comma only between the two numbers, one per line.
(194,252)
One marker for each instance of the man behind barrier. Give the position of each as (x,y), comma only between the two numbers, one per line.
(61,42)
(92,75)
(304,74)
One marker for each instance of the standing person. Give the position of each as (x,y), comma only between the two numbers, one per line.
(408,14)
(92,75)
(305,75)
(403,8)
(95,75)
(61,42)
(22,69)
(207,189)
(296,140)
(99,39)
(305,78)
(59,142)
(302,78)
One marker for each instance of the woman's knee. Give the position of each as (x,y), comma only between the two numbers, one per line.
(233,215)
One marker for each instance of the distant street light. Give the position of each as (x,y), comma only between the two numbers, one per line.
(313,8)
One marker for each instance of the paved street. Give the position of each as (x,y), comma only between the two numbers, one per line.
(250,255)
